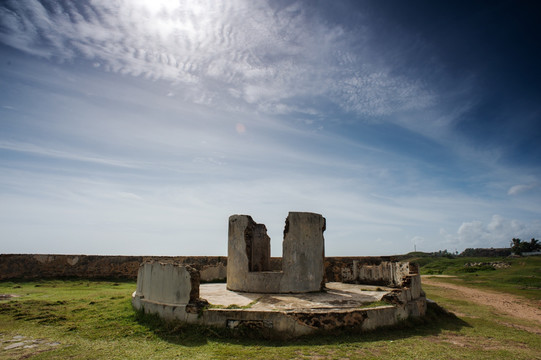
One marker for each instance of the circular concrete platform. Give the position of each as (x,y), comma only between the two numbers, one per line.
(337,296)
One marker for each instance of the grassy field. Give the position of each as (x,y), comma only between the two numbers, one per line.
(93,319)
(522,277)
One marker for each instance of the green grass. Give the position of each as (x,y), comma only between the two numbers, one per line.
(95,320)
(522,278)
(235,306)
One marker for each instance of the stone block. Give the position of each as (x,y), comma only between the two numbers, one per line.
(167,283)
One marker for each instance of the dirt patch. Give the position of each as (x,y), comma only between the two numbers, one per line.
(23,347)
(522,327)
(481,343)
(505,303)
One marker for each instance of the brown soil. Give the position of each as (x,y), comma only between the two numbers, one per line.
(504,303)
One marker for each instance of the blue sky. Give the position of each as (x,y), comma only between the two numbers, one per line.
(139,127)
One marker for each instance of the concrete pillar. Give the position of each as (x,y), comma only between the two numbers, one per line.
(237,259)
(303,253)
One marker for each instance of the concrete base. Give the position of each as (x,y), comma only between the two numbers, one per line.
(289,315)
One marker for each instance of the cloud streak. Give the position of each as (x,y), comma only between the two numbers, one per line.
(518,189)
(67,155)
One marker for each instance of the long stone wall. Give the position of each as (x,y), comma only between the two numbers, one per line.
(30,266)
(211,268)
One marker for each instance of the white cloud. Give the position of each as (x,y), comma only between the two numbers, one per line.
(380,93)
(261,55)
(162,209)
(517,189)
(497,233)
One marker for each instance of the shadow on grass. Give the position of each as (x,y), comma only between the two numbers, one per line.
(436,320)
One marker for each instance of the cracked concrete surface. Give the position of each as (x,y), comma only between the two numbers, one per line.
(336,296)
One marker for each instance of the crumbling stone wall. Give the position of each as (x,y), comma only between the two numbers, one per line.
(342,269)
(387,273)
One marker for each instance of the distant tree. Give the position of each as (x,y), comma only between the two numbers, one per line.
(518,246)
(443,253)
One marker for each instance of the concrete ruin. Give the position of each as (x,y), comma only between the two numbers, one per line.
(302,262)
(287,298)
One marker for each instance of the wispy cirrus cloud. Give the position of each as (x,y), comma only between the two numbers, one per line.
(62,154)
(237,52)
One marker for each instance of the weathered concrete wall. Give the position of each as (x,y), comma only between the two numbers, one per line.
(341,269)
(34,266)
(287,323)
(386,273)
(237,250)
(59,266)
(303,253)
(261,250)
(168,289)
(302,265)
(167,283)
(292,324)
(213,273)
(163,289)
(212,268)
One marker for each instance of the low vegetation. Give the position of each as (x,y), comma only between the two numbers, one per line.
(94,319)
(515,275)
